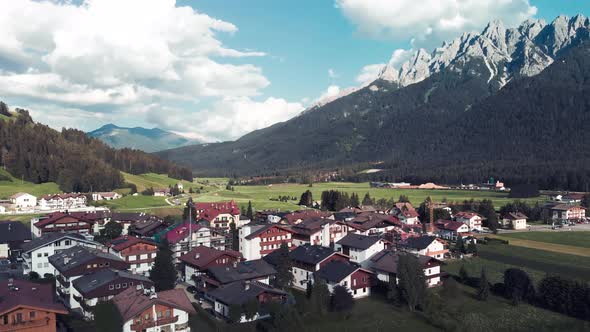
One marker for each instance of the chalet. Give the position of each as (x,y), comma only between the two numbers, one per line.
(105,196)
(318,231)
(216,276)
(425,245)
(239,293)
(145,310)
(385,263)
(65,222)
(372,224)
(514,220)
(162,192)
(201,258)
(148,227)
(256,241)
(184,236)
(28,306)
(59,202)
(450,230)
(296,217)
(349,275)
(13,235)
(126,219)
(360,248)
(3,208)
(103,285)
(405,212)
(36,253)
(23,201)
(567,213)
(219,215)
(307,259)
(139,253)
(471,219)
(572,198)
(73,263)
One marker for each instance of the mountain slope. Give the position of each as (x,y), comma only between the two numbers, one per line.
(148,140)
(424,129)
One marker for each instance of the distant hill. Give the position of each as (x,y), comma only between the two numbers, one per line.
(148,140)
(507,103)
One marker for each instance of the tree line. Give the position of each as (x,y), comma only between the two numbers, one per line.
(76,162)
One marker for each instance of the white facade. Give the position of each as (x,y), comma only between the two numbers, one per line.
(58,203)
(249,248)
(346,282)
(473,222)
(23,201)
(363,257)
(181,325)
(436,249)
(428,273)
(4,250)
(202,237)
(37,259)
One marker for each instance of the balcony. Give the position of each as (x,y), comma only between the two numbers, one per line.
(160,322)
(27,324)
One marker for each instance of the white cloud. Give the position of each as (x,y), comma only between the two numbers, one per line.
(332,73)
(369,73)
(128,58)
(429,22)
(331,91)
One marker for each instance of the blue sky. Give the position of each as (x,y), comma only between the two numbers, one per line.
(217,69)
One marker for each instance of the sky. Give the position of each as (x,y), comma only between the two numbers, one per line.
(218,69)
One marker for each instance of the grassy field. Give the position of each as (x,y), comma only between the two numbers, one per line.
(577,239)
(496,258)
(153,180)
(138,202)
(8,188)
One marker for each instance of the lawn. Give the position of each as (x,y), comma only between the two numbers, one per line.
(13,186)
(153,180)
(138,202)
(496,258)
(577,239)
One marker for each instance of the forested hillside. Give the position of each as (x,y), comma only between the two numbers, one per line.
(76,162)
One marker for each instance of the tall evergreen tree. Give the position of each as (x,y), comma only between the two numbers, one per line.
(189,206)
(518,286)
(163,273)
(460,244)
(249,212)
(403,199)
(463,275)
(320,297)
(354,200)
(341,299)
(235,236)
(107,317)
(483,292)
(412,282)
(487,210)
(306,199)
(284,276)
(112,230)
(367,200)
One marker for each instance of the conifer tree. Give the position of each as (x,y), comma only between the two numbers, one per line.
(483,291)
(163,273)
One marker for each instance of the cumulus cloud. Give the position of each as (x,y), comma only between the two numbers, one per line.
(128,58)
(427,23)
(369,73)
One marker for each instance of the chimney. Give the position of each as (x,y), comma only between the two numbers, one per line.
(247,285)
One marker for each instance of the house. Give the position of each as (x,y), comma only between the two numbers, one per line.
(349,275)
(103,285)
(181,242)
(318,231)
(73,263)
(372,223)
(145,310)
(239,293)
(180,186)
(139,253)
(572,198)
(58,202)
(385,265)
(126,219)
(3,208)
(405,212)
(256,241)
(23,201)
(450,230)
(105,196)
(201,258)
(13,235)
(148,227)
(471,219)
(28,307)
(425,245)
(360,248)
(514,220)
(65,222)
(567,213)
(216,276)
(296,217)
(36,253)
(219,215)
(307,259)
(162,192)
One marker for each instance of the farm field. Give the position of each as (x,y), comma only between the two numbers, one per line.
(152,180)
(577,239)
(496,258)
(139,202)
(13,186)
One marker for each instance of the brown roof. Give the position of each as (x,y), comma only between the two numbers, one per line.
(21,293)
(126,241)
(387,260)
(264,229)
(201,256)
(449,225)
(134,301)
(566,207)
(515,215)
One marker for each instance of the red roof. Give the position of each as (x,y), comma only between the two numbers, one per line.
(305,214)
(61,196)
(133,301)
(467,215)
(449,225)
(81,216)
(210,211)
(201,256)
(180,232)
(21,293)
(126,241)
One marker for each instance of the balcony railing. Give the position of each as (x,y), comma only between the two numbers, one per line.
(25,324)
(160,322)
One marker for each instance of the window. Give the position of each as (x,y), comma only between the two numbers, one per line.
(68,242)
(118,286)
(124,285)
(131,284)
(5,319)
(39,265)
(147,316)
(39,254)
(45,264)
(159,314)
(57,243)
(46,254)
(32,315)
(167,313)
(18,318)
(111,287)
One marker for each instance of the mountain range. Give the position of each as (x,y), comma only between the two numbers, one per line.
(507,102)
(148,140)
